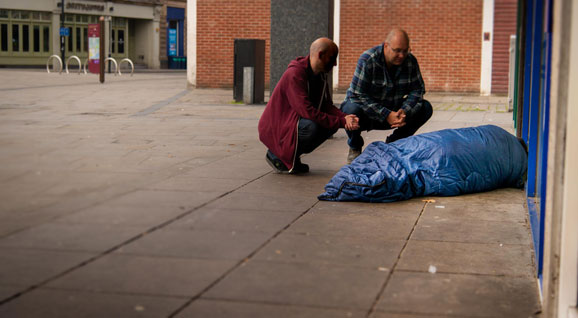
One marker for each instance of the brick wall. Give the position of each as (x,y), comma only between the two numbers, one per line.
(219,22)
(445,38)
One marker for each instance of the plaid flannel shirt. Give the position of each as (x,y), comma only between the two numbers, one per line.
(378,92)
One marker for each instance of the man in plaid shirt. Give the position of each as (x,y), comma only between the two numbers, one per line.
(386,92)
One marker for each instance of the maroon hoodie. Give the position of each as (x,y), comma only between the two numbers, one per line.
(298,94)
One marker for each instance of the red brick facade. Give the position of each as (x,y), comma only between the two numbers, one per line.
(445,37)
(219,22)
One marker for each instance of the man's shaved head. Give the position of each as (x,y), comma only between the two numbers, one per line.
(322,45)
(323,55)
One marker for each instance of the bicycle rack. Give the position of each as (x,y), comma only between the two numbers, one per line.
(79,63)
(84,67)
(113,62)
(59,61)
(129,62)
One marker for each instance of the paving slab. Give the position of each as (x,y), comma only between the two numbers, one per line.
(73,237)
(232,169)
(229,245)
(51,303)
(169,199)
(308,185)
(451,294)
(235,220)
(387,228)
(187,182)
(302,284)
(27,267)
(340,250)
(9,291)
(265,202)
(479,231)
(129,274)
(226,309)
(498,196)
(122,215)
(468,258)
(410,209)
(502,212)
(379,314)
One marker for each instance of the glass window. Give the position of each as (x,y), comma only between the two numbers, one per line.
(120,41)
(119,22)
(46,38)
(85,37)
(69,39)
(36,38)
(45,16)
(4,37)
(24,15)
(84,18)
(15,38)
(69,17)
(25,38)
(15,14)
(78,40)
(4,14)
(112,43)
(35,15)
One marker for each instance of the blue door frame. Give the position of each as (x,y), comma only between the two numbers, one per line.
(177,14)
(536,114)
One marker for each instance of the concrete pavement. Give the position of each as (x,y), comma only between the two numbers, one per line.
(138,198)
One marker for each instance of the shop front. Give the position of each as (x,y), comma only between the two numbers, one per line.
(32,31)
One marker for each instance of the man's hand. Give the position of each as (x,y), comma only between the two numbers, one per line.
(396,119)
(351,122)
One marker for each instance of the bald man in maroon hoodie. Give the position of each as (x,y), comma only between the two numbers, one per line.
(300,114)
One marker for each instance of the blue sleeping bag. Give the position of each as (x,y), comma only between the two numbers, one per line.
(441,163)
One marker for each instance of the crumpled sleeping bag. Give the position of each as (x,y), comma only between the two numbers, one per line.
(441,163)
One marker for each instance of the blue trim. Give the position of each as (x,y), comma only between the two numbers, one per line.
(545,125)
(532,95)
(534,226)
(177,14)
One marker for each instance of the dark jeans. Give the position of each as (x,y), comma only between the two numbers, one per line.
(422,112)
(310,135)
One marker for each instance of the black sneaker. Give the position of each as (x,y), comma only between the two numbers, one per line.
(300,168)
(275,163)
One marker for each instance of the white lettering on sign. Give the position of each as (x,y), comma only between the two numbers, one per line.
(84,6)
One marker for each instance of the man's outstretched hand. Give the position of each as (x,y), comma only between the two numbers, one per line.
(351,122)
(396,119)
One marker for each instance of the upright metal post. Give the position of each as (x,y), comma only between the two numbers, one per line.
(62,47)
(101,53)
(111,43)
